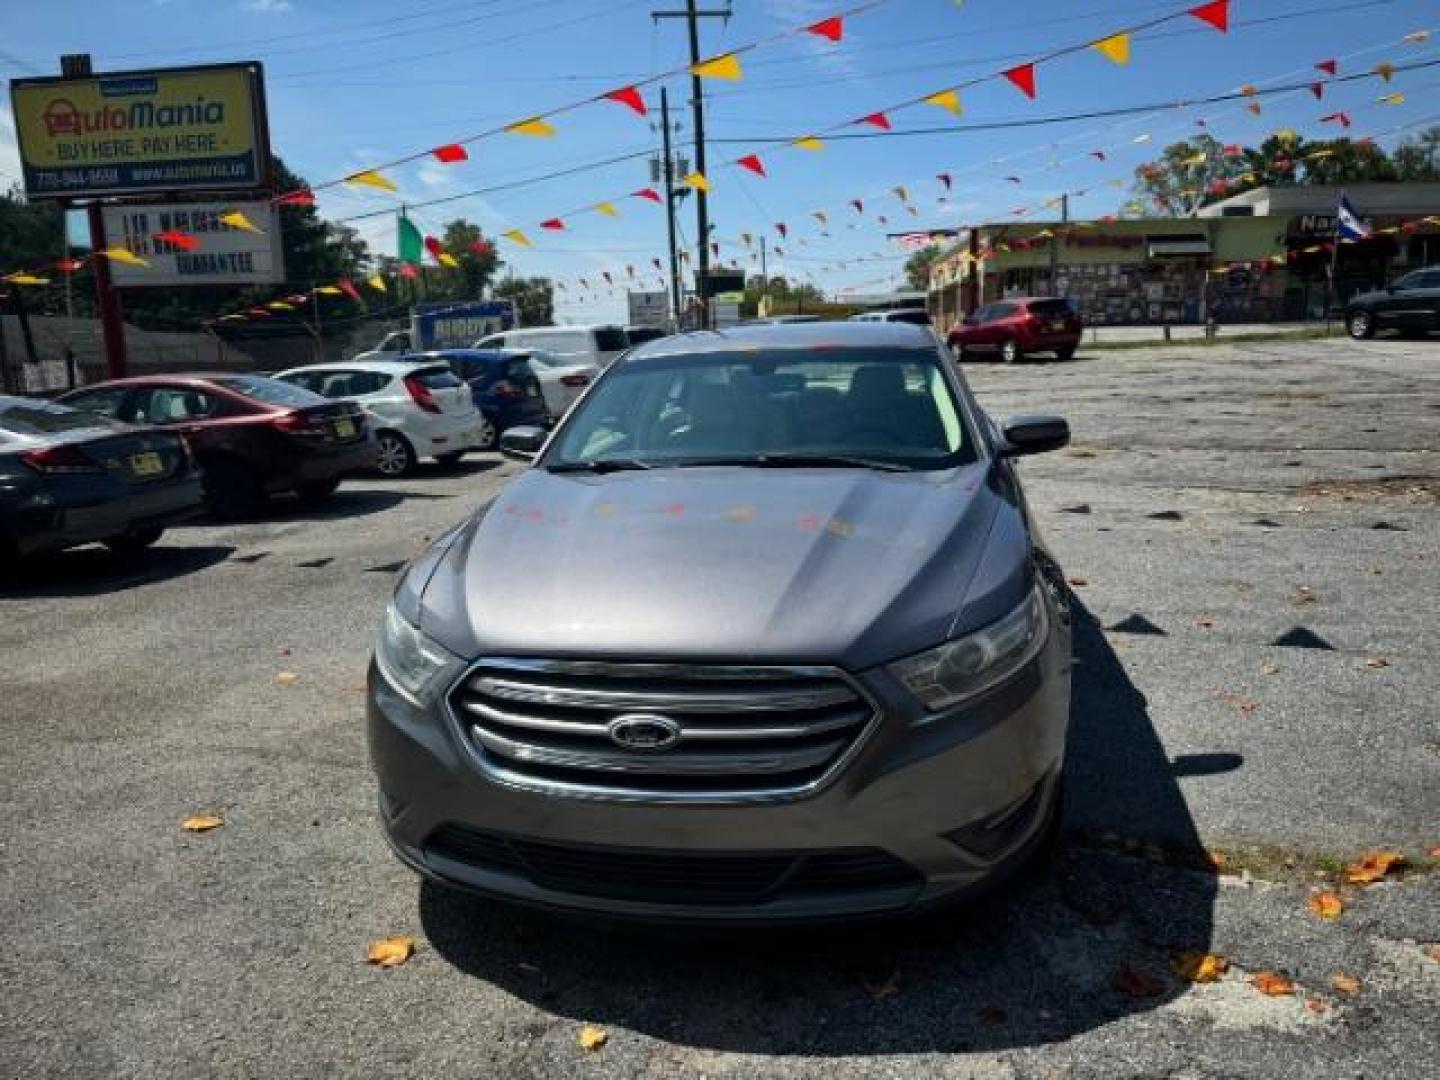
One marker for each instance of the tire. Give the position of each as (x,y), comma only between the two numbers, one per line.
(1065,354)
(232,489)
(958,352)
(317,491)
(1010,351)
(1361,324)
(133,543)
(489,437)
(395,457)
(449,461)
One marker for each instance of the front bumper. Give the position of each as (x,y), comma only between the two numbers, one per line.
(919,815)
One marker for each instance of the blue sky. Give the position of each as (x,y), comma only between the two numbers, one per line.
(355,82)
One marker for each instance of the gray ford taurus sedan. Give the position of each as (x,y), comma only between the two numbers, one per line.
(764,633)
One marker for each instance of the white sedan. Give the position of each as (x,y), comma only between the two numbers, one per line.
(562,380)
(416,409)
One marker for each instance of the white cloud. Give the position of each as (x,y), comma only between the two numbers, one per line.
(266,6)
(9,152)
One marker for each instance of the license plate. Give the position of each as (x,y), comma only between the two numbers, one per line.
(344,428)
(146,464)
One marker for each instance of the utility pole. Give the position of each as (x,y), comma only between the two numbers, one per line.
(1055,247)
(692,15)
(669,172)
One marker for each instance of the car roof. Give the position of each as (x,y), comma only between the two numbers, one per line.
(194,378)
(816,335)
(560,329)
(386,367)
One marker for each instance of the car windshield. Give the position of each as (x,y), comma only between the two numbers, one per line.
(35,417)
(888,408)
(1051,308)
(270,391)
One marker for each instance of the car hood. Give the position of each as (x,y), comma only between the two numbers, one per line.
(736,564)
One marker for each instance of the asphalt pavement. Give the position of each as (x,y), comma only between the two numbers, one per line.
(1252,532)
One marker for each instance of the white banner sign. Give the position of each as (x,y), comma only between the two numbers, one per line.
(218,255)
(650,309)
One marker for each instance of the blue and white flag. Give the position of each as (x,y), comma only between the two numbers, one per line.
(1348,225)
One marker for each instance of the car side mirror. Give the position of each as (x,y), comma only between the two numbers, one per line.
(522,443)
(1033,434)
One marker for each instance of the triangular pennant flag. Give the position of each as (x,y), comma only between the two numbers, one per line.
(330,290)
(236,220)
(1217,14)
(901,193)
(348,288)
(450,153)
(697,181)
(630,97)
(745,239)
(819,215)
(606,275)
(715,249)
(608,209)
(534,126)
(1396,98)
(376,282)
(1254,107)
(945,179)
(656,263)
(410,245)
(779,250)
(123,255)
(1417,37)
(629,270)
(725,66)
(1195,159)
(433,245)
(304,197)
(407,270)
(782,229)
(809,142)
(25,279)
(1318,89)
(1115,48)
(1343,119)
(831,29)
(1385,70)
(372,178)
(1024,78)
(753,163)
(448,260)
(1330,67)
(949,100)
(554,224)
(1098,154)
(517,237)
(69,266)
(858,205)
(648,193)
(258,311)
(877,119)
(182,240)
(1014,180)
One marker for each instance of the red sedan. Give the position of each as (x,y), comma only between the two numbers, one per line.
(1013,329)
(252,436)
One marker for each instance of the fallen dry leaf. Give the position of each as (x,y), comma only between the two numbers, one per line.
(1372,866)
(201,823)
(1434,953)
(1216,857)
(1272,983)
(1305,595)
(1199,967)
(1326,904)
(593,1037)
(1345,984)
(285,678)
(1078,582)
(1205,622)
(1315,1005)
(284,650)
(1136,982)
(1377,662)
(391,951)
(1269,667)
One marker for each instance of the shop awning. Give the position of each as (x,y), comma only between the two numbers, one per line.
(1162,246)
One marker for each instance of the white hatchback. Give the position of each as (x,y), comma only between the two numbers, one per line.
(417,410)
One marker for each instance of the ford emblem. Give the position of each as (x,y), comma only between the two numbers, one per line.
(644,731)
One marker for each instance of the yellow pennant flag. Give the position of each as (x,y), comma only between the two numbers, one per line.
(1417,37)
(1316,155)
(280,305)
(25,279)
(1396,98)
(124,255)
(949,100)
(534,126)
(608,209)
(1195,159)
(1115,48)
(236,220)
(446,259)
(726,66)
(517,237)
(809,142)
(1385,70)
(376,282)
(330,290)
(372,178)
(697,181)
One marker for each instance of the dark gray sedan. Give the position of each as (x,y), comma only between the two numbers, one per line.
(69,477)
(764,633)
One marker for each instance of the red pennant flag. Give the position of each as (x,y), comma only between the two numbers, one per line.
(779,250)
(1318,89)
(831,29)
(258,311)
(858,205)
(69,266)
(628,96)
(1024,78)
(408,270)
(348,288)
(1330,67)
(181,240)
(606,275)
(647,193)
(1341,118)
(656,264)
(1098,154)
(450,153)
(1013,179)
(296,198)
(945,178)
(877,119)
(882,219)
(715,249)
(1217,14)
(753,163)
(782,229)
(554,224)
(297,298)
(434,246)
(480,247)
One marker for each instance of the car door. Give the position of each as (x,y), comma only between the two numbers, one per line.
(972,332)
(1402,305)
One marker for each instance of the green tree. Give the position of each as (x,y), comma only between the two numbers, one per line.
(917,267)
(478,264)
(1418,159)
(31,233)
(534,299)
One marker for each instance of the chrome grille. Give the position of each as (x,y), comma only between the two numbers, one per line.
(734,733)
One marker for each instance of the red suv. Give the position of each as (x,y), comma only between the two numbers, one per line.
(1018,327)
(252,435)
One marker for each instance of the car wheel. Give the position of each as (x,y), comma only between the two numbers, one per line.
(1065,354)
(1360,324)
(449,461)
(134,542)
(317,491)
(958,352)
(394,454)
(232,489)
(489,439)
(1010,351)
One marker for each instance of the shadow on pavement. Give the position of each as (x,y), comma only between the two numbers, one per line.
(94,571)
(1051,956)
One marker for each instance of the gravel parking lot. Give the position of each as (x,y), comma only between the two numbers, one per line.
(1253,533)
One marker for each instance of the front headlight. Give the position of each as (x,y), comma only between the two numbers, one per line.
(961,669)
(418,668)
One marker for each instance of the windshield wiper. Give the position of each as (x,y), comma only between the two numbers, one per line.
(800,461)
(604,465)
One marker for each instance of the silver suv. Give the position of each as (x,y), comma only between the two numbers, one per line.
(763,633)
